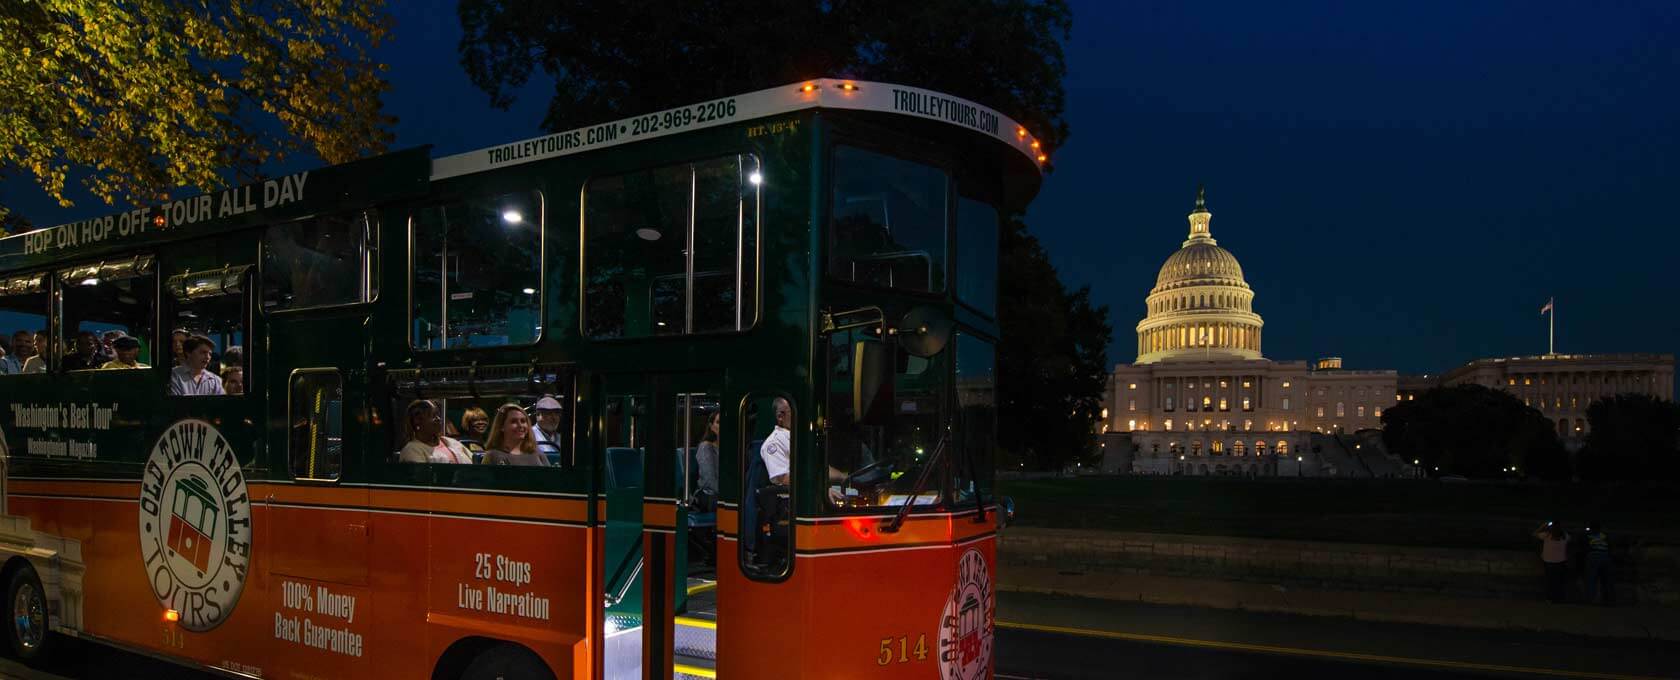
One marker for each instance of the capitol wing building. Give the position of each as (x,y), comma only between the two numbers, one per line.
(1202,399)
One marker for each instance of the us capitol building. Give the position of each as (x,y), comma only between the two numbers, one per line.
(1202,398)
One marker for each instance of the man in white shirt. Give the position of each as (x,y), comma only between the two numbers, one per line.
(547,431)
(190,379)
(777,446)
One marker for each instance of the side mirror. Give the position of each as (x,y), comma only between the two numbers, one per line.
(872,382)
(924,331)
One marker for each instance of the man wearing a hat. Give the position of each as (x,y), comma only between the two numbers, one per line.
(128,353)
(547,431)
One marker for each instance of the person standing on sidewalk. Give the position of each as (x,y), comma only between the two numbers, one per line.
(1554,554)
(1597,573)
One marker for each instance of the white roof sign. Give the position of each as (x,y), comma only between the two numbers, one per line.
(821,93)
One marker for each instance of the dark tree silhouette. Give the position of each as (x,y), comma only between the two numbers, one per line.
(1052,361)
(614,59)
(1474,431)
(1632,436)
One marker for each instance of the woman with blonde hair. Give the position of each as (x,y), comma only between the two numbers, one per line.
(511,442)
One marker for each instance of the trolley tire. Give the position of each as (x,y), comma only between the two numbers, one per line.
(506,662)
(28,633)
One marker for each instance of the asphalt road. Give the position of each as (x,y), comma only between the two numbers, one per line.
(1057,638)
(1021,654)
(1024,654)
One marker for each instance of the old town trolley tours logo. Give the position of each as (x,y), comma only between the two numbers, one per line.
(965,628)
(195,524)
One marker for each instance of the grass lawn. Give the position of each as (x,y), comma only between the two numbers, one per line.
(1402,512)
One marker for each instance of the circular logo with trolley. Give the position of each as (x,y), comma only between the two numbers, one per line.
(965,628)
(195,524)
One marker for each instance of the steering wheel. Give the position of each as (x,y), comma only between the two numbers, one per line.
(871,475)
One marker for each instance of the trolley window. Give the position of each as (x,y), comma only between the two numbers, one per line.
(23,323)
(976,385)
(477,272)
(320,262)
(888,226)
(316,414)
(208,311)
(977,255)
(672,250)
(104,302)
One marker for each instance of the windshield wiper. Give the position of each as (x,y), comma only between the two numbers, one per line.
(921,483)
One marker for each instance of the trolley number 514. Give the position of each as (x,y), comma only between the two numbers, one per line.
(903,648)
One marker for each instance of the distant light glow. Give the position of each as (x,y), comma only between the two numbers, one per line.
(529,291)
(756,179)
(90,281)
(512,217)
(648,234)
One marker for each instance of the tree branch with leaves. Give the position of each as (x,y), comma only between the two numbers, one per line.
(139,97)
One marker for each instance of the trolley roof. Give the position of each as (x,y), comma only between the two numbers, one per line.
(285,197)
(821,93)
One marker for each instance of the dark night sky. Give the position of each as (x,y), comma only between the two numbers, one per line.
(1404,186)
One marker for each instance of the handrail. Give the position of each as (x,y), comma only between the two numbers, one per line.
(635,570)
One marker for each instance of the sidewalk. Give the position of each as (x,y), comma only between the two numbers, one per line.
(1630,622)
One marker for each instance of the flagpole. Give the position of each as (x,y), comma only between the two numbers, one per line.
(1551,330)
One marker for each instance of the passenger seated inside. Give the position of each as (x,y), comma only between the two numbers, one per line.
(11,362)
(511,442)
(426,442)
(475,427)
(177,345)
(43,348)
(86,357)
(128,354)
(23,358)
(190,379)
(547,432)
(706,463)
(106,344)
(233,379)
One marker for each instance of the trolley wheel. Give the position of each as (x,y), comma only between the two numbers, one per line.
(26,601)
(506,662)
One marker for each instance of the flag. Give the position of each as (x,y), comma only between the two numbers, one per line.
(1548,306)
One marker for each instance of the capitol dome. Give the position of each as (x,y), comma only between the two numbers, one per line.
(1201,307)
